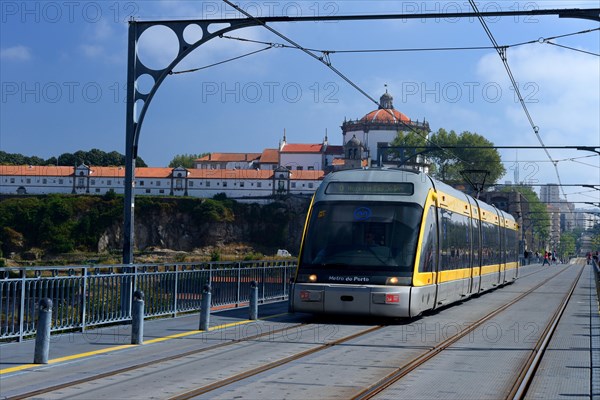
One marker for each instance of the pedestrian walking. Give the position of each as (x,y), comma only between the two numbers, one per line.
(546,257)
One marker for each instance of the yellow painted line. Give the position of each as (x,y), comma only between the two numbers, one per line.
(127,346)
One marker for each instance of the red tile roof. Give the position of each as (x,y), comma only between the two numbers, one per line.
(334,149)
(302,148)
(270,156)
(34,170)
(149,172)
(108,172)
(386,116)
(230,174)
(119,172)
(307,175)
(229,157)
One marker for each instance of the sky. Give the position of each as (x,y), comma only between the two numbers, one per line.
(63,68)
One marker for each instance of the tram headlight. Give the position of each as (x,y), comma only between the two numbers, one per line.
(312,278)
(392,281)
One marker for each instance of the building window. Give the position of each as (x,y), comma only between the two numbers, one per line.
(310,185)
(80,182)
(191,183)
(207,183)
(147,190)
(157,183)
(44,181)
(258,184)
(28,180)
(141,183)
(60,181)
(178,183)
(12,180)
(310,168)
(97,190)
(224,184)
(293,185)
(299,168)
(109,182)
(93,182)
(241,184)
(161,191)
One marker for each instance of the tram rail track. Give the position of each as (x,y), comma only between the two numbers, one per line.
(378,387)
(255,371)
(519,389)
(526,374)
(119,371)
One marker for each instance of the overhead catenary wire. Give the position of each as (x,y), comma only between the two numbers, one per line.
(326,61)
(220,62)
(417,49)
(502,53)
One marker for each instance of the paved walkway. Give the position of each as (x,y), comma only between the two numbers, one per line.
(65,347)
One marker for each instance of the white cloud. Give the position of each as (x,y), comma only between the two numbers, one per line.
(563,100)
(561,89)
(16,53)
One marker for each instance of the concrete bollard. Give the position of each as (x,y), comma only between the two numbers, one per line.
(253,300)
(137,318)
(42,337)
(205,311)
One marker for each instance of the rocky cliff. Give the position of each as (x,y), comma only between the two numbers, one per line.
(264,228)
(61,224)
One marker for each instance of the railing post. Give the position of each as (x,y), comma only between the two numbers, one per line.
(137,318)
(253,300)
(205,311)
(42,337)
(176,289)
(22,305)
(239,283)
(284,283)
(84,299)
(264,278)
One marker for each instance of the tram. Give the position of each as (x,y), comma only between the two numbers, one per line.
(395,243)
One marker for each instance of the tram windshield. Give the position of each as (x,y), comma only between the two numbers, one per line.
(362,236)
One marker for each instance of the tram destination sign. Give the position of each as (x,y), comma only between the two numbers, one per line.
(382,188)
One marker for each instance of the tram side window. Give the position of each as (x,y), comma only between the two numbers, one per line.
(512,244)
(490,244)
(476,243)
(456,243)
(429,245)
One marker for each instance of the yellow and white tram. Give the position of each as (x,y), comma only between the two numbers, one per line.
(395,243)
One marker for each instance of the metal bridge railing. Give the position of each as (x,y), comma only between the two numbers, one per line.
(90,296)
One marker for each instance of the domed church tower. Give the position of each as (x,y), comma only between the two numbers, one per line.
(380,127)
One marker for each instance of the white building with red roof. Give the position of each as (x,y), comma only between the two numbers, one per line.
(291,169)
(379,128)
(240,184)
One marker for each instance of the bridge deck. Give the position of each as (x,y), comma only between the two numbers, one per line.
(570,367)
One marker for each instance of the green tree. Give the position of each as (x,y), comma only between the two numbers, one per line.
(19,159)
(185,160)
(409,139)
(450,162)
(538,220)
(567,245)
(94,157)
